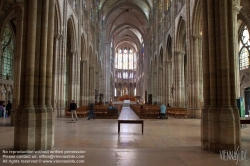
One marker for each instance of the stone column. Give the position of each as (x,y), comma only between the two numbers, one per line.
(220,119)
(71,75)
(206,78)
(33,130)
(236,10)
(81,84)
(145,84)
(160,78)
(40,75)
(24,134)
(179,80)
(155,88)
(86,83)
(76,77)
(169,82)
(17,61)
(91,85)
(49,75)
(106,74)
(164,83)
(195,98)
(56,77)
(61,71)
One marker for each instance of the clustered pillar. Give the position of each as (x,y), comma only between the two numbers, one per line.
(220,117)
(34,116)
(179,79)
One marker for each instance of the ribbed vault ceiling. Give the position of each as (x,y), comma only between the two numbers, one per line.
(126,21)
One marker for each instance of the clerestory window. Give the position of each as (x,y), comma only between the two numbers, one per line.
(7,53)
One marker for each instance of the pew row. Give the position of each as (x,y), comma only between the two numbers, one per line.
(153,111)
(148,111)
(100,111)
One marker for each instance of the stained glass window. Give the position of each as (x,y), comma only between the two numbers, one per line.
(125,59)
(244,49)
(7,53)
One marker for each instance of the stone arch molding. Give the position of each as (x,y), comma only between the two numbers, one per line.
(181,34)
(58,18)
(72,28)
(169,48)
(245,81)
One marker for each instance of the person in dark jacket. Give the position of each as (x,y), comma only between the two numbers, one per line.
(9,108)
(73,107)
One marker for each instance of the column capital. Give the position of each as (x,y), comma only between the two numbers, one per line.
(58,36)
(19,9)
(84,61)
(168,62)
(236,8)
(180,52)
(73,52)
(196,36)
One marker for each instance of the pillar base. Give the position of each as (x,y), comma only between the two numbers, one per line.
(50,127)
(41,127)
(24,136)
(194,113)
(13,118)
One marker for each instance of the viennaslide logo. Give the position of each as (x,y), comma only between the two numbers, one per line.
(236,155)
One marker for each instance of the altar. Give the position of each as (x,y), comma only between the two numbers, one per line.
(126,101)
(127,97)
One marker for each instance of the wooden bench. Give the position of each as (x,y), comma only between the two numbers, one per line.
(245,120)
(177,112)
(133,121)
(148,111)
(81,111)
(100,111)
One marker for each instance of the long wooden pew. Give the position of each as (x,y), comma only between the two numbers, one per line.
(177,112)
(153,111)
(148,111)
(100,111)
(81,111)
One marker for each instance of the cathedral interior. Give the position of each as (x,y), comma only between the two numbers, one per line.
(191,54)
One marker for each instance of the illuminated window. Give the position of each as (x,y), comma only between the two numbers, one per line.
(244,48)
(125,59)
(8,49)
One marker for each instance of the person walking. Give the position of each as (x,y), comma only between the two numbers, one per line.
(73,107)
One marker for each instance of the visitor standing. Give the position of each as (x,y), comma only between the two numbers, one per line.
(73,107)
(9,108)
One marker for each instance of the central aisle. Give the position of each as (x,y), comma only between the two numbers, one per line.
(128,113)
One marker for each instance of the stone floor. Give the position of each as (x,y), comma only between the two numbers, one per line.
(165,142)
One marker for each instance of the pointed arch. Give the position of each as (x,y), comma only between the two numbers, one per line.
(169,48)
(58,19)
(181,35)
(83,48)
(197,19)
(161,58)
(71,34)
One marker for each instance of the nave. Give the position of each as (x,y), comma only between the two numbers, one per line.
(172,142)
